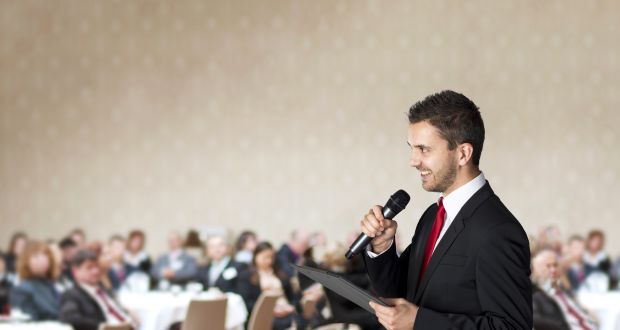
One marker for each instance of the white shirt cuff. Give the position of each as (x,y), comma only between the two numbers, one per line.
(374,255)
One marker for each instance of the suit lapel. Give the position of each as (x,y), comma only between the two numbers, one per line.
(451,234)
(417,255)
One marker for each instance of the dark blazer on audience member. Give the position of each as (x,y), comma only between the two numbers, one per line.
(284,257)
(547,313)
(80,310)
(225,282)
(478,275)
(37,298)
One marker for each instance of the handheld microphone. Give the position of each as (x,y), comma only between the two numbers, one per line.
(394,205)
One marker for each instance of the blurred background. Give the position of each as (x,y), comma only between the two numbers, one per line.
(132,128)
(274,115)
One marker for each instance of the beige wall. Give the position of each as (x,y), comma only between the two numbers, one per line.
(274,115)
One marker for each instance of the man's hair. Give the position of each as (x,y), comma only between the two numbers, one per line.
(67,242)
(456,118)
(83,256)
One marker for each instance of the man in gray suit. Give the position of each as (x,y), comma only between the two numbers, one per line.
(176,266)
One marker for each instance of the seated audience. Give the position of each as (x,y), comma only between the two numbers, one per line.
(553,308)
(68,249)
(293,251)
(595,259)
(264,276)
(36,294)
(135,257)
(221,271)
(112,263)
(246,243)
(87,305)
(176,266)
(16,246)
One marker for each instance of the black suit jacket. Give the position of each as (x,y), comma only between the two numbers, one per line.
(547,313)
(222,282)
(80,310)
(478,275)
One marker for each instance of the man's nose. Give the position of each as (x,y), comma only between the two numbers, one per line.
(414,160)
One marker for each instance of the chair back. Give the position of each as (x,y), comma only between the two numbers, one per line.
(125,326)
(262,313)
(203,314)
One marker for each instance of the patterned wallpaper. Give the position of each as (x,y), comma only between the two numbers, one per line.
(280,114)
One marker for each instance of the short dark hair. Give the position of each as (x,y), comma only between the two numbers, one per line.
(67,242)
(83,256)
(456,117)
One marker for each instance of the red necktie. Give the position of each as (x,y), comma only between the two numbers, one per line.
(109,306)
(432,238)
(572,311)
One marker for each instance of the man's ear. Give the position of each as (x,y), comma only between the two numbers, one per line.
(465,152)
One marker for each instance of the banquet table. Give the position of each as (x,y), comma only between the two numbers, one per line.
(606,307)
(34,326)
(157,310)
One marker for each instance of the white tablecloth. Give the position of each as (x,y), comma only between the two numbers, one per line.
(35,326)
(606,306)
(158,310)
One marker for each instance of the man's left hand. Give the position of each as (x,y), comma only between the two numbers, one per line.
(401,315)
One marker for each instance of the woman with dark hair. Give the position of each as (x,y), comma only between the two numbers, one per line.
(16,246)
(595,258)
(135,257)
(36,294)
(264,276)
(246,243)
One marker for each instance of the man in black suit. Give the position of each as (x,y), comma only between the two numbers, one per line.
(467,266)
(87,304)
(221,272)
(554,308)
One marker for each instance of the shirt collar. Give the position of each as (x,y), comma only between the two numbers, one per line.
(454,201)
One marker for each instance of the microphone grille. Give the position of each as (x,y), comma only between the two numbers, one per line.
(401,198)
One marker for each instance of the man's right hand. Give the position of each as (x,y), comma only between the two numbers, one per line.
(382,230)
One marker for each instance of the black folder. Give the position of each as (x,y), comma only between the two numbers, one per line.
(341,286)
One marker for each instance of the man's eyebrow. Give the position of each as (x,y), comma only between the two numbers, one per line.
(420,146)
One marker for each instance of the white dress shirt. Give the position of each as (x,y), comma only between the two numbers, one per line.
(452,203)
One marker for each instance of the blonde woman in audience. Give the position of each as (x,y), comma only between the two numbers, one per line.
(36,294)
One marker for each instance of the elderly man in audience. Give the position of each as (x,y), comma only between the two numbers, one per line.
(176,266)
(87,305)
(554,308)
(221,271)
(36,294)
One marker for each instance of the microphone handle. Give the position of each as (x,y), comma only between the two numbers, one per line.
(363,240)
